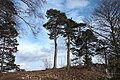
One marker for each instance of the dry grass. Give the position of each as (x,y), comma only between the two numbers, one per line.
(74,73)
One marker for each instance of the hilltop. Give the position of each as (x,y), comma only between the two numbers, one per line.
(74,73)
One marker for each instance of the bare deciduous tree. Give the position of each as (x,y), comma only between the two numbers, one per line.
(47,63)
(29,15)
(107,16)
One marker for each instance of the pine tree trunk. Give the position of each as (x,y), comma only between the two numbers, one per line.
(56,50)
(2,63)
(86,55)
(114,41)
(68,52)
(105,59)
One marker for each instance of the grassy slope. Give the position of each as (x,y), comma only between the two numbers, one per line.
(74,73)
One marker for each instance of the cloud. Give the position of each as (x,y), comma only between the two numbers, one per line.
(30,56)
(32,51)
(72,4)
(54,4)
(76,16)
(48,50)
(24,66)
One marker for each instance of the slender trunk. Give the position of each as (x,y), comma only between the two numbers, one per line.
(68,52)
(2,63)
(115,45)
(56,50)
(86,55)
(105,59)
(114,42)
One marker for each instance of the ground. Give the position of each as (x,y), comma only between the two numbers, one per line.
(73,73)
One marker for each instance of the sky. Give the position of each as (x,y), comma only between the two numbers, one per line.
(35,52)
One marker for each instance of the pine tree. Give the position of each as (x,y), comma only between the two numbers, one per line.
(103,50)
(84,46)
(8,47)
(53,25)
(8,34)
(68,33)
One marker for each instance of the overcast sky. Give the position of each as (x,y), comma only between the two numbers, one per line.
(33,52)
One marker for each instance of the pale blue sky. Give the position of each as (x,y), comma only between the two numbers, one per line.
(33,52)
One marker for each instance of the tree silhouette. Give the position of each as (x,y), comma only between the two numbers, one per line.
(54,26)
(107,17)
(32,10)
(68,32)
(8,46)
(8,36)
(102,49)
(84,46)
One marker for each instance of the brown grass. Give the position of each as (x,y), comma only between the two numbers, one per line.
(74,73)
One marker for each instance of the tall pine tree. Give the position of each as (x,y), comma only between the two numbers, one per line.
(54,27)
(8,34)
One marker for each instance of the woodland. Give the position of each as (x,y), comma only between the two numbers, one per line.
(98,35)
